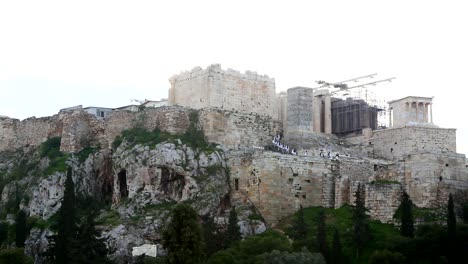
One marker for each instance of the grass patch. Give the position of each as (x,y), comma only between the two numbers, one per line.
(193,137)
(109,218)
(84,153)
(382,235)
(51,149)
(382,182)
(154,208)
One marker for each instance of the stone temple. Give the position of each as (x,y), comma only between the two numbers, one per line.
(339,142)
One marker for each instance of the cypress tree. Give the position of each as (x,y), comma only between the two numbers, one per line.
(183,238)
(407,222)
(3,232)
(64,244)
(451,219)
(20,229)
(92,249)
(360,221)
(300,228)
(337,252)
(233,231)
(213,242)
(322,234)
(465,213)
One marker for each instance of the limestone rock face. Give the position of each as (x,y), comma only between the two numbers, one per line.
(141,184)
(169,173)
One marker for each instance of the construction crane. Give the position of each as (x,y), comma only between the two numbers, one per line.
(342,86)
(138,101)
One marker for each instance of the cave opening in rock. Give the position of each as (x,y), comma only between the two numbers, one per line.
(123,183)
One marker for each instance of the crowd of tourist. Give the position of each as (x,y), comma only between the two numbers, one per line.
(281,147)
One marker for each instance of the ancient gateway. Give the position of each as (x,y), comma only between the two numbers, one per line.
(338,142)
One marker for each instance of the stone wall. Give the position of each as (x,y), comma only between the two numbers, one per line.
(234,129)
(299,110)
(229,90)
(278,184)
(394,143)
(383,200)
(32,131)
(423,173)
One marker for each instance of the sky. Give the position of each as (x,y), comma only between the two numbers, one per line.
(57,54)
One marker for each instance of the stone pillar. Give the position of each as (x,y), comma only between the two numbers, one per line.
(328,120)
(417,112)
(425,108)
(316,112)
(432,121)
(390,117)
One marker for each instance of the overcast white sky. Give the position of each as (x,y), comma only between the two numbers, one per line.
(55,54)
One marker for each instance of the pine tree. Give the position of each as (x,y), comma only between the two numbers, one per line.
(337,252)
(360,221)
(183,238)
(322,234)
(233,233)
(407,222)
(21,229)
(300,228)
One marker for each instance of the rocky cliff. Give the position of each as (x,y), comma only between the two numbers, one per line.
(137,183)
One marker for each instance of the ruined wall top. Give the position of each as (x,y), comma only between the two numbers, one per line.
(216,69)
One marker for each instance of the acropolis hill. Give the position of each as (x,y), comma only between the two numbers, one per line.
(339,145)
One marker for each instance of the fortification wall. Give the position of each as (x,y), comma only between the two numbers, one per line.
(8,136)
(229,90)
(79,129)
(395,143)
(172,119)
(234,129)
(32,131)
(425,173)
(383,200)
(278,184)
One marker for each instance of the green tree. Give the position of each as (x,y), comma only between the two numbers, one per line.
(322,234)
(3,232)
(92,248)
(21,229)
(386,257)
(451,219)
(212,236)
(63,247)
(303,257)
(233,233)
(360,221)
(299,228)
(337,251)
(183,238)
(451,230)
(14,256)
(407,222)
(465,213)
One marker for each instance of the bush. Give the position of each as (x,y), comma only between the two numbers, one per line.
(15,255)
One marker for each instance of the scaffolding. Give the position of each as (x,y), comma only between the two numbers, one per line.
(356,107)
